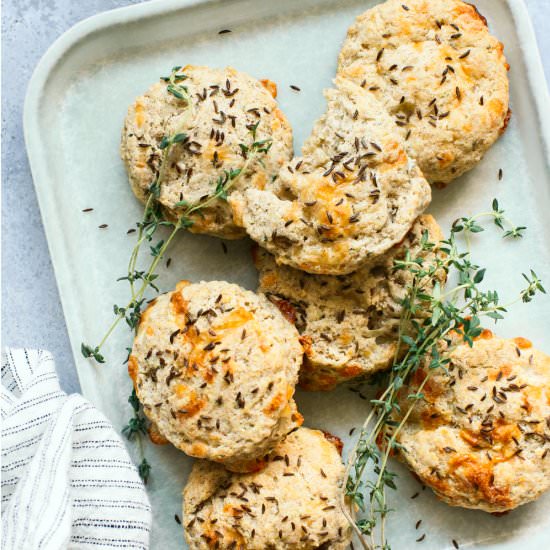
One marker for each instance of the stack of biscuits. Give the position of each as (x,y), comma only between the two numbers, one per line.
(420,94)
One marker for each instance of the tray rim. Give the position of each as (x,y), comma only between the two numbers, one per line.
(106,20)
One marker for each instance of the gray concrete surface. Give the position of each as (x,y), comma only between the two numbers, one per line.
(31,311)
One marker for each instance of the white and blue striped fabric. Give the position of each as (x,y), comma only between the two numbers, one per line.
(67,479)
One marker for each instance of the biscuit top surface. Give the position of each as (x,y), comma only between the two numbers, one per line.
(440,74)
(228,111)
(481,436)
(352,195)
(292,503)
(215,366)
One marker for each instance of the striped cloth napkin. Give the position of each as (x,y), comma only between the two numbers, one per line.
(67,479)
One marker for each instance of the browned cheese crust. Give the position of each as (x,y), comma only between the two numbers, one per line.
(481,436)
(215,367)
(293,504)
(439,73)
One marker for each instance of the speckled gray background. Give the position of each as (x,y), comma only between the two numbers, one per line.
(31,311)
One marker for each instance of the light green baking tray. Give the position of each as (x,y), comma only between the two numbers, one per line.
(74,109)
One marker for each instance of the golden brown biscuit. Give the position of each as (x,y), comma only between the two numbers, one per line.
(348,323)
(294,503)
(215,367)
(481,436)
(439,73)
(225,107)
(352,195)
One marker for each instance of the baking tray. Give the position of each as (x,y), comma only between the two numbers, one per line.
(74,109)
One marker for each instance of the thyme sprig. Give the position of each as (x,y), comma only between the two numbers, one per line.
(135,429)
(471,224)
(153,217)
(431,325)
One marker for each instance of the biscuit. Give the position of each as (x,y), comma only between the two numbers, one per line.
(225,107)
(348,324)
(293,503)
(440,75)
(214,367)
(352,195)
(481,436)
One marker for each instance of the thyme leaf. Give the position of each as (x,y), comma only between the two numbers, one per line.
(89,351)
(144,470)
(134,430)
